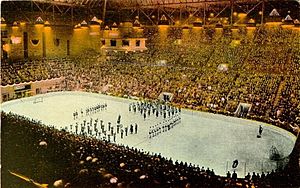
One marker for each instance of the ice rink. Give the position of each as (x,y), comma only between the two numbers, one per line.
(204,139)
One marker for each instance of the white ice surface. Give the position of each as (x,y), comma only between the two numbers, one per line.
(203,139)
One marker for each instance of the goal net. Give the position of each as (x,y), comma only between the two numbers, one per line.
(38,100)
(274,154)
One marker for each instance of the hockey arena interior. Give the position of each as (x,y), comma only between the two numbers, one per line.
(150,93)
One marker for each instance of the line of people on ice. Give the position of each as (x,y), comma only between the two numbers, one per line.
(98,129)
(164,126)
(148,108)
(90,110)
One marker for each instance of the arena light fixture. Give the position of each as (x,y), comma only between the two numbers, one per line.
(274,13)
(47,24)
(242,15)
(15,24)
(3,22)
(22,23)
(83,23)
(136,24)
(219,25)
(288,18)
(95,21)
(39,20)
(78,26)
(274,19)
(297,23)
(185,27)
(287,22)
(251,23)
(197,23)
(114,26)
(163,21)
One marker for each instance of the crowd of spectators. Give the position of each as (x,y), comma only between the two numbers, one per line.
(26,71)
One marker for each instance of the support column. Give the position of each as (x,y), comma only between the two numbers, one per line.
(104,11)
(204,14)
(262,12)
(231,12)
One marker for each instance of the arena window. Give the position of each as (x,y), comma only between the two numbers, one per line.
(113,43)
(137,43)
(125,42)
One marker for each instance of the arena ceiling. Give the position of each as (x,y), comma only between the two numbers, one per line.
(120,10)
(150,3)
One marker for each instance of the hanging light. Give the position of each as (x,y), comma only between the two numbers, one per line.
(3,22)
(83,23)
(114,26)
(39,20)
(185,27)
(22,23)
(78,26)
(251,23)
(136,24)
(47,23)
(163,20)
(219,25)
(197,23)
(274,13)
(95,21)
(15,24)
(297,23)
(287,22)
(274,18)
